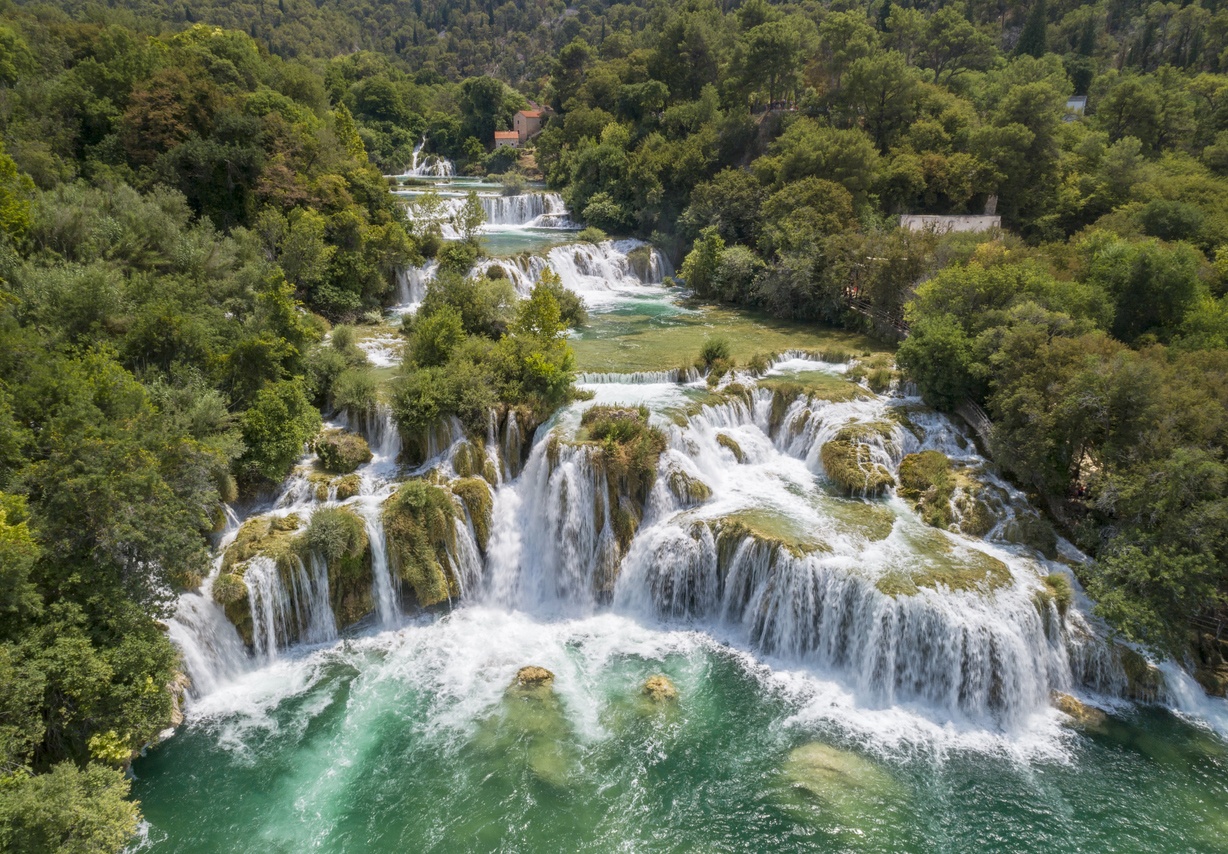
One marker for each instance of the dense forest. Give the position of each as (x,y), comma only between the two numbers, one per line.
(191,195)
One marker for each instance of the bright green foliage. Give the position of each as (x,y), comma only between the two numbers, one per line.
(69,810)
(16,190)
(276,428)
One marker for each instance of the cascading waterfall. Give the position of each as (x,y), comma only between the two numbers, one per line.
(411,286)
(593,270)
(979,655)
(429,166)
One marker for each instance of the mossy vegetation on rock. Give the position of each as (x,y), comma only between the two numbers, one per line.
(878,371)
(848,459)
(840,778)
(1082,715)
(767,527)
(941,564)
(339,537)
(341,452)
(1055,590)
(1144,681)
(474,493)
(339,488)
(690,491)
(420,525)
(945,496)
(659,689)
(629,452)
(334,535)
(731,445)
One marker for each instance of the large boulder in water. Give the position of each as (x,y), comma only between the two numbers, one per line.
(340,452)
(660,689)
(848,460)
(533,677)
(1082,715)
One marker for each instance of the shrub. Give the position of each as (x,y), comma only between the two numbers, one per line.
(356,390)
(714,350)
(591,234)
(341,452)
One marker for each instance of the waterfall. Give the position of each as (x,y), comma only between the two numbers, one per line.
(530,210)
(386,588)
(430,166)
(411,286)
(288,603)
(552,543)
(593,270)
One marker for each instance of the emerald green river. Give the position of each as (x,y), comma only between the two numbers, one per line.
(406,741)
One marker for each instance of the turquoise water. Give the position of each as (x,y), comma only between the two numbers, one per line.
(406,741)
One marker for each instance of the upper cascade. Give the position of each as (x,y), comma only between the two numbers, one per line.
(428,166)
(588,269)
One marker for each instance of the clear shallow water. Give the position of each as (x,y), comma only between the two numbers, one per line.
(404,742)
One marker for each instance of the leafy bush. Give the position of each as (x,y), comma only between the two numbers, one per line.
(713,350)
(340,452)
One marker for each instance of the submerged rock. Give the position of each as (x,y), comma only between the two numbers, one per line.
(1082,715)
(839,777)
(660,689)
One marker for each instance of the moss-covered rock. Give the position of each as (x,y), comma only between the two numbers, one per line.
(470,459)
(838,777)
(338,536)
(945,496)
(659,689)
(420,527)
(270,536)
(690,491)
(1144,681)
(229,588)
(339,488)
(628,451)
(769,528)
(474,493)
(940,564)
(533,676)
(927,483)
(1056,590)
(341,452)
(851,467)
(877,370)
(730,444)
(1081,715)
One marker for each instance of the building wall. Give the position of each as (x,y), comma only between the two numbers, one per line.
(944,224)
(526,126)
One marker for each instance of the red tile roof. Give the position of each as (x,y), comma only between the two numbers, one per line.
(532,114)
(506,134)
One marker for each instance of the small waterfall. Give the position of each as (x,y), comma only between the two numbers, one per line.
(211,651)
(681,376)
(552,543)
(386,588)
(529,210)
(589,269)
(288,603)
(959,654)
(428,166)
(411,286)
